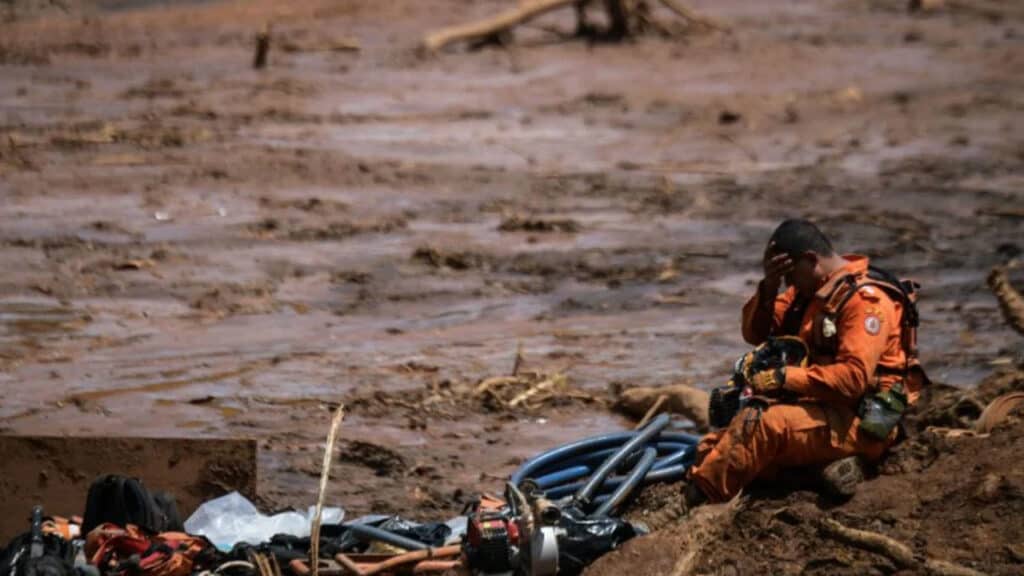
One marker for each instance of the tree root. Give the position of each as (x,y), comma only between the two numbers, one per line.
(899,553)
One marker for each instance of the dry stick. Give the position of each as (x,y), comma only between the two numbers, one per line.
(486,385)
(1010,300)
(652,411)
(325,475)
(518,363)
(896,551)
(556,380)
(694,18)
(259,60)
(491,26)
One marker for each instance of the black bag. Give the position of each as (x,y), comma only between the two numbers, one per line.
(122,501)
(35,553)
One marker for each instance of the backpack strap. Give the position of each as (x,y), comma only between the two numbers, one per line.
(912,375)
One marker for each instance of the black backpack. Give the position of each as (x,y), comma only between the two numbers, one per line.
(122,501)
(36,553)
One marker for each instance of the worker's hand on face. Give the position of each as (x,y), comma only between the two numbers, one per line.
(768,382)
(776,266)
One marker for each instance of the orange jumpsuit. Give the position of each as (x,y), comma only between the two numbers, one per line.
(822,426)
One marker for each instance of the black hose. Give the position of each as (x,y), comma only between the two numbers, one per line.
(597,478)
(635,477)
(368,533)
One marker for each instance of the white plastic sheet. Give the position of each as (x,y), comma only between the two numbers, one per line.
(232,518)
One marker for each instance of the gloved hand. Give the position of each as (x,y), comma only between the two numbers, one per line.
(768,381)
(744,366)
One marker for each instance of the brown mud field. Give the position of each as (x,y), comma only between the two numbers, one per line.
(194,248)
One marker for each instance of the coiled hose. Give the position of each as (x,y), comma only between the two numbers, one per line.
(581,471)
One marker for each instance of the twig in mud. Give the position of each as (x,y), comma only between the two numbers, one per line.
(494,382)
(325,475)
(553,382)
(259,59)
(651,412)
(899,553)
(518,363)
(1010,300)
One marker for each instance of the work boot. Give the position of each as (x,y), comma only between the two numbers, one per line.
(841,477)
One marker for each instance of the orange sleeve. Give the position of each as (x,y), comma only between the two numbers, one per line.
(863,330)
(763,312)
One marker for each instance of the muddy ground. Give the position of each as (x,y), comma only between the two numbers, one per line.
(195,248)
(950,495)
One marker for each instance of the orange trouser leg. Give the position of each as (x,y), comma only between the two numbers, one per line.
(783,436)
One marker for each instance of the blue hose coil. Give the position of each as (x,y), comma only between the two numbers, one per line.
(571,469)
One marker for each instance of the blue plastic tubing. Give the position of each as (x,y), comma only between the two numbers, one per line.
(612,463)
(584,467)
(629,483)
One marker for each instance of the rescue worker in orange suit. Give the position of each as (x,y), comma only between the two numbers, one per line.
(853,330)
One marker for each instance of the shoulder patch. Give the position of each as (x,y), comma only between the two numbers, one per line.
(872,324)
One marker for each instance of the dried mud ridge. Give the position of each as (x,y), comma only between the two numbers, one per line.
(949,493)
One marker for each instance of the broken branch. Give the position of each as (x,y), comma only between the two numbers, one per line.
(651,412)
(491,26)
(325,475)
(896,551)
(1010,300)
(552,382)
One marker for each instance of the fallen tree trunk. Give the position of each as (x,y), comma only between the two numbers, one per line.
(491,26)
(1010,300)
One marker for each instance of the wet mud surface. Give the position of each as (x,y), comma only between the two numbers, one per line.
(193,248)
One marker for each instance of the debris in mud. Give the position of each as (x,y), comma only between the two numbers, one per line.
(625,19)
(523,224)
(235,299)
(525,392)
(295,44)
(727,117)
(309,204)
(262,48)
(382,460)
(613,268)
(155,88)
(453,260)
(22,56)
(1010,300)
(297,230)
(642,402)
